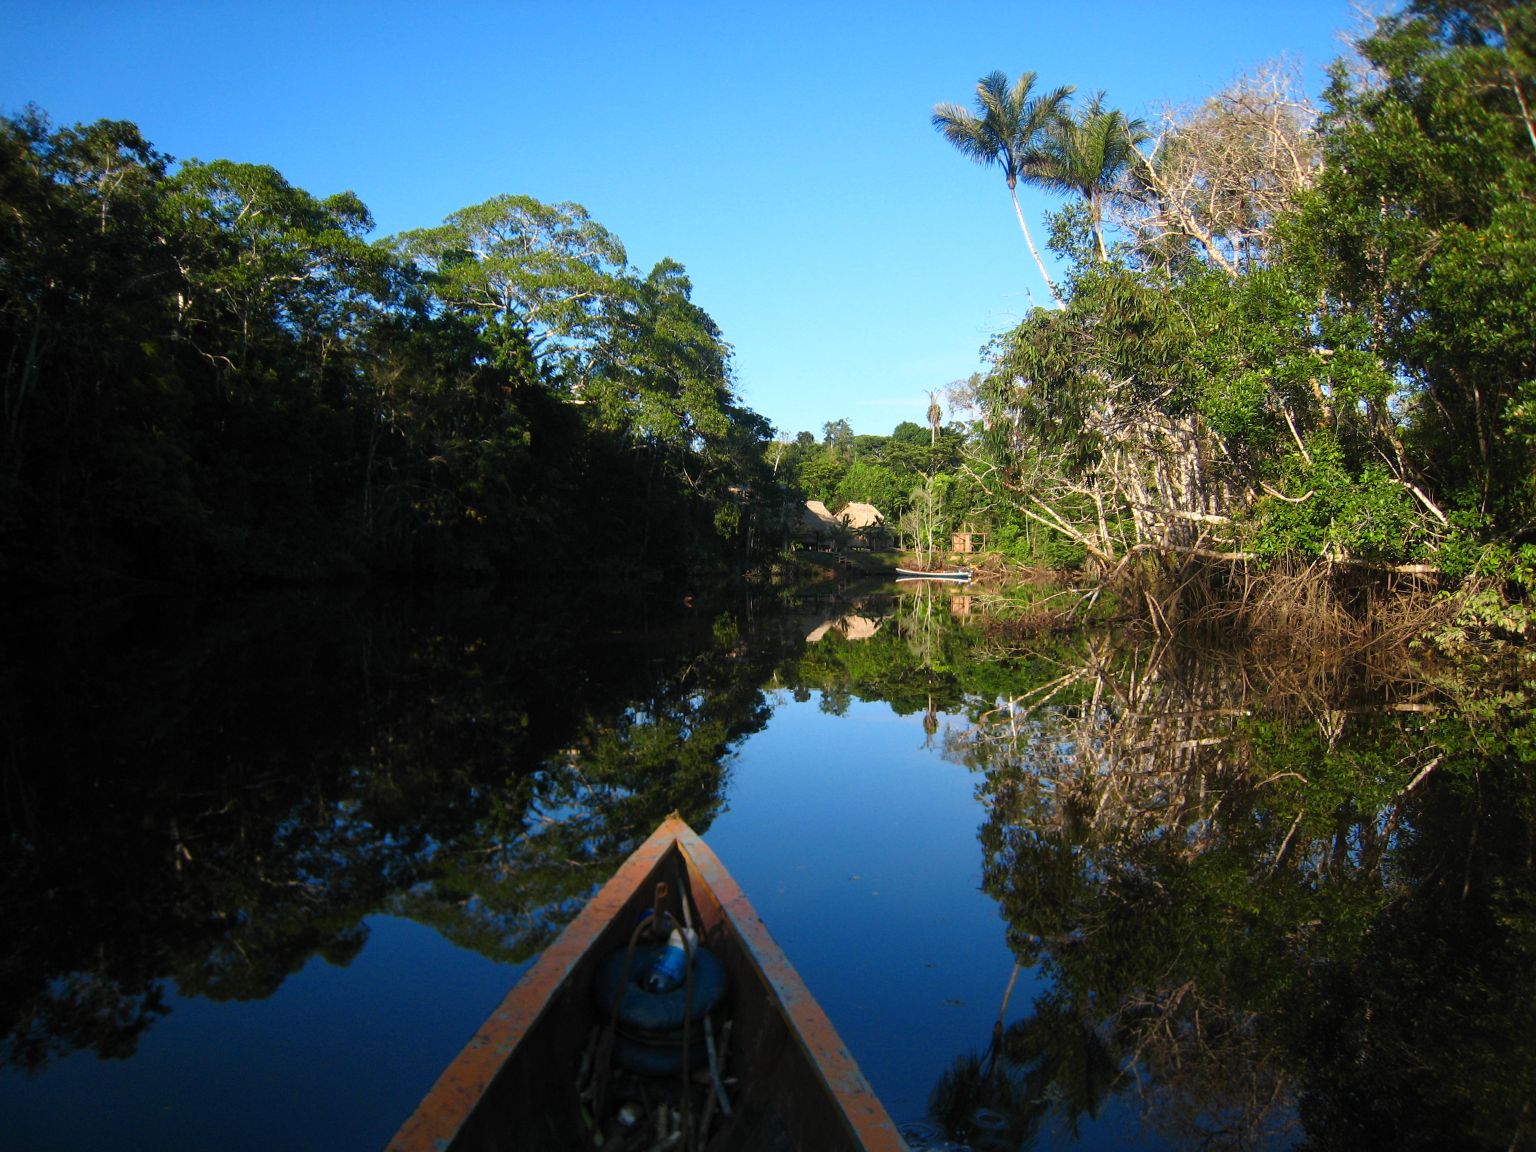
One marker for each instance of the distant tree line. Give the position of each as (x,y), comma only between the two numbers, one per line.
(210,375)
(922,479)
(843,468)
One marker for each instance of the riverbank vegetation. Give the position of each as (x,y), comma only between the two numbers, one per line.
(1311,340)
(1290,348)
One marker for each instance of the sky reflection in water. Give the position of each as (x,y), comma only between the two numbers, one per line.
(853,837)
(1236,883)
(857,842)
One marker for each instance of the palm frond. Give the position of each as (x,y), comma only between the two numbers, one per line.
(1050,106)
(966,131)
(1087,152)
(993,98)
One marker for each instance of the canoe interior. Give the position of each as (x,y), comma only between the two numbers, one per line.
(515,1084)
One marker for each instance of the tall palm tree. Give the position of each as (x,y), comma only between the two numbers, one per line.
(1087,153)
(1009,128)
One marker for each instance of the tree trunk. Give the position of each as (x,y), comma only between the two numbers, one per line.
(1028,239)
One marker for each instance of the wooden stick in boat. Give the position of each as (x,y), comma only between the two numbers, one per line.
(709,1105)
(714,1066)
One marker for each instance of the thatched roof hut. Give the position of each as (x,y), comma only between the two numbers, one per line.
(815,515)
(852,627)
(816,524)
(860,516)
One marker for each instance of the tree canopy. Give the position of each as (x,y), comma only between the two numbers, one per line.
(1287,335)
(213,375)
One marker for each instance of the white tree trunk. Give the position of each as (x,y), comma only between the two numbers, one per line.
(1028,239)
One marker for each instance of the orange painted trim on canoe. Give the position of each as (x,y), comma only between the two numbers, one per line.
(862,1109)
(463,1083)
(439,1118)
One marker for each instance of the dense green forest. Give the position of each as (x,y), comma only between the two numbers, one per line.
(212,375)
(1284,334)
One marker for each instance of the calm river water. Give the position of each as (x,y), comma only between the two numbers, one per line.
(271,861)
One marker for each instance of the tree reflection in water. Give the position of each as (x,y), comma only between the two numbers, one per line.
(208,796)
(1268,908)
(1266,901)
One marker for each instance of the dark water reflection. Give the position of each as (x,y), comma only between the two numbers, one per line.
(1272,905)
(1257,906)
(1282,905)
(211,794)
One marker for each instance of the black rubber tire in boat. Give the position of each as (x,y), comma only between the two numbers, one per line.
(659,1012)
(657,1059)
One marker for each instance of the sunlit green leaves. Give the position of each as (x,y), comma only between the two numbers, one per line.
(1424,213)
(519,265)
(1360,329)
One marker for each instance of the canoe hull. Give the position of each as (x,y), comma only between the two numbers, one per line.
(960,574)
(513,1086)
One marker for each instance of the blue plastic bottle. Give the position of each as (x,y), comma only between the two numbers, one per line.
(672,965)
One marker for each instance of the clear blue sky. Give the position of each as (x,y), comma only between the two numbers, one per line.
(781,151)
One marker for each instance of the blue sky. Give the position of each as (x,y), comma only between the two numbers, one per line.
(781,151)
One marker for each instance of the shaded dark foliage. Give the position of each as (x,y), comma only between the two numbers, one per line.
(211,376)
